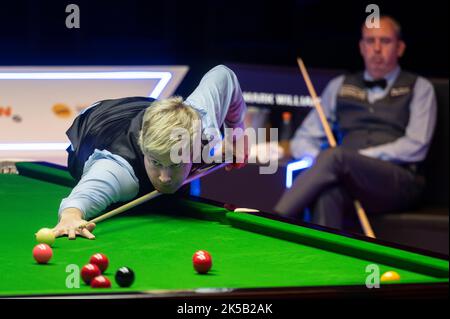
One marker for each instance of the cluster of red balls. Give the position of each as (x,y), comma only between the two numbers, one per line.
(92,273)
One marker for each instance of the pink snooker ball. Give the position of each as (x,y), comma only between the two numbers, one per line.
(42,253)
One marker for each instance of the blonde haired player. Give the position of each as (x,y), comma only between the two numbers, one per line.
(120,149)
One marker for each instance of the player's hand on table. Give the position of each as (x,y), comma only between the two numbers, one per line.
(69,223)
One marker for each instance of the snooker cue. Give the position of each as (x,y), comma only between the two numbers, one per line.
(367,228)
(199,173)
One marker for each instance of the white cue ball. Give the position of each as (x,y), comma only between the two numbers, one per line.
(45,236)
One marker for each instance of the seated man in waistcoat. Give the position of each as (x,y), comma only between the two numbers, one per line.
(383,119)
(121,148)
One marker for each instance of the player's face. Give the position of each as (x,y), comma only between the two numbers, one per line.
(381,49)
(166,176)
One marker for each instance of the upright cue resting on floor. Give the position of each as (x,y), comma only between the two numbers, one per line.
(199,173)
(367,228)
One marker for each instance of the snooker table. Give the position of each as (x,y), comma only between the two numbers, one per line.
(253,255)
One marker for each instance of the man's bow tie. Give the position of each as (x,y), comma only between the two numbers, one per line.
(371,84)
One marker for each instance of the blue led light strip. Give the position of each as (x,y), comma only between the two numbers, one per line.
(295,166)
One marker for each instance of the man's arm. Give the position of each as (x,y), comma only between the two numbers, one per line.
(218,98)
(413,146)
(106,179)
(310,135)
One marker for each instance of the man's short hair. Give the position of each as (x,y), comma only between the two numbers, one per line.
(160,120)
(395,24)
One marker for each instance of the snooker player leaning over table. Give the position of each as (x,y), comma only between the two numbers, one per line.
(121,148)
(386,118)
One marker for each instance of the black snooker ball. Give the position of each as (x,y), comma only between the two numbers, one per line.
(124,277)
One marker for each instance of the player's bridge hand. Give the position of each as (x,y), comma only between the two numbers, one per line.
(69,225)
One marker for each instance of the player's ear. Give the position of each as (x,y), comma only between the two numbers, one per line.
(401,48)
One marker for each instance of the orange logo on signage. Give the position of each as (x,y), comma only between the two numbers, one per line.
(5,111)
(62,110)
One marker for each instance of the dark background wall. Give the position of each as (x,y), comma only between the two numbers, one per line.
(204,33)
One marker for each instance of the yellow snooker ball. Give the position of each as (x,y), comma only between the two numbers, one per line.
(390,276)
(45,236)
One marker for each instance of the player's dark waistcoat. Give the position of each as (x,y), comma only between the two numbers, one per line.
(111,125)
(362,124)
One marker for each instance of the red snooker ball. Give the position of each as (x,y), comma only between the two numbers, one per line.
(100,282)
(100,260)
(42,253)
(89,272)
(202,261)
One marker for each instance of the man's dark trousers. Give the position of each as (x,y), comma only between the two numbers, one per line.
(339,176)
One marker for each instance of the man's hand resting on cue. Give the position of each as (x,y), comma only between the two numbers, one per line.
(69,223)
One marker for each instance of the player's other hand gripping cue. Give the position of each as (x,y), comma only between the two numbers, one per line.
(240,150)
(70,222)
